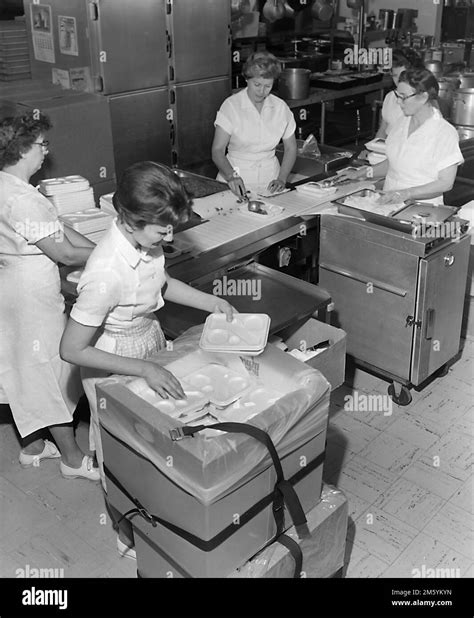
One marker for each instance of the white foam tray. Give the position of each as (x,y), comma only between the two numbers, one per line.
(247,332)
(221,385)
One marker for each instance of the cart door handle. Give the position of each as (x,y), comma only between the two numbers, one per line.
(449,259)
(364,279)
(429,323)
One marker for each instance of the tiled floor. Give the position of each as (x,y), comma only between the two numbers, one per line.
(408,477)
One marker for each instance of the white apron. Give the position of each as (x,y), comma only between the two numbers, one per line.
(257,171)
(42,389)
(142,340)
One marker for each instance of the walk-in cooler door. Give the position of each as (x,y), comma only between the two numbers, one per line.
(440,297)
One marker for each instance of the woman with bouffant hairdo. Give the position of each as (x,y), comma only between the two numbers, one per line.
(41,389)
(249,126)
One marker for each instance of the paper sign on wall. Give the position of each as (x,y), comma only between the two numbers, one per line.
(67,35)
(42,33)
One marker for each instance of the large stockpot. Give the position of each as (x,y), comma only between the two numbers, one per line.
(435,66)
(465,132)
(294,83)
(462,112)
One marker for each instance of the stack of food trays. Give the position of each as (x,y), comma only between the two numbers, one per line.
(246,334)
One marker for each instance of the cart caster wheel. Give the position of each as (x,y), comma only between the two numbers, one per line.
(403,398)
(443,371)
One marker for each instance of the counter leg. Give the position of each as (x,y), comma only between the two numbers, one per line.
(323,123)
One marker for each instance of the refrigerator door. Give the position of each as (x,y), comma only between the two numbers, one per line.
(201,39)
(196,107)
(440,298)
(140,128)
(128,42)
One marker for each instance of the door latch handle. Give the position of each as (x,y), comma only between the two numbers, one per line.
(410,321)
(449,260)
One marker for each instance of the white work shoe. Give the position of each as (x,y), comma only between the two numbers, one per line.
(50,451)
(86,471)
(126,551)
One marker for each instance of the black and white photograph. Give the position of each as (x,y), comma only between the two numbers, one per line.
(236,308)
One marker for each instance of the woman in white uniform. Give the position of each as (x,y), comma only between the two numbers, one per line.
(249,126)
(41,389)
(423,151)
(112,327)
(392,113)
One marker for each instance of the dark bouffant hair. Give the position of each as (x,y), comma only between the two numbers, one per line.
(150,193)
(18,134)
(408,59)
(422,81)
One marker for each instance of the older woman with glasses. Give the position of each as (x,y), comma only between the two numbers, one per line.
(423,151)
(391,111)
(41,389)
(249,126)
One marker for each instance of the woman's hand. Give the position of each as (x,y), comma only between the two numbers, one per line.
(222,306)
(394,197)
(276,185)
(352,174)
(162,381)
(237,186)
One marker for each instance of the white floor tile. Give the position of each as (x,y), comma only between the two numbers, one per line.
(455,449)
(438,479)
(357,505)
(415,430)
(382,535)
(365,479)
(410,503)
(428,557)
(351,432)
(455,527)
(391,453)
(464,497)
(362,564)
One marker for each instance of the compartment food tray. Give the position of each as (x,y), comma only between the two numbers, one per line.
(247,331)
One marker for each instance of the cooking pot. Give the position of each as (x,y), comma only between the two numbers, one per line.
(465,132)
(462,112)
(273,10)
(294,83)
(322,10)
(435,66)
(466,80)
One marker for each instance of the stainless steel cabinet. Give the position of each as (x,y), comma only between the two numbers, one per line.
(140,127)
(196,107)
(200,39)
(399,298)
(128,44)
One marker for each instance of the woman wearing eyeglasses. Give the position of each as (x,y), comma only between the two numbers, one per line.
(391,111)
(41,389)
(422,149)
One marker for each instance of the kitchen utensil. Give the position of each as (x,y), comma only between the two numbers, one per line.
(294,83)
(273,10)
(435,66)
(322,10)
(462,112)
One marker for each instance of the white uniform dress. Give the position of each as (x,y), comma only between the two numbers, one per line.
(254,136)
(417,159)
(118,292)
(42,390)
(391,111)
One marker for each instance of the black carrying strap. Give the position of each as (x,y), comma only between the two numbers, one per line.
(282,494)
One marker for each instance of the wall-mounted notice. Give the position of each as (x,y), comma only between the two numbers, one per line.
(42,33)
(67,35)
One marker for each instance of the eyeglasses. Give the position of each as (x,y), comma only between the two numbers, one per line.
(402,98)
(44,144)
